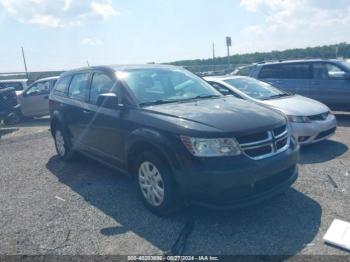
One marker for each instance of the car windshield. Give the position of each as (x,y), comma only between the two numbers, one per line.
(256,89)
(159,86)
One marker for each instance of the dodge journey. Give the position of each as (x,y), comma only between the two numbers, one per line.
(180,139)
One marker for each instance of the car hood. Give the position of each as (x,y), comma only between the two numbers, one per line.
(297,105)
(224,114)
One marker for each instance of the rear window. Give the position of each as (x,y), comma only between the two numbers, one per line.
(16,85)
(61,88)
(286,71)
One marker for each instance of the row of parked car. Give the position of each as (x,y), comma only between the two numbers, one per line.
(18,101)
(219,142)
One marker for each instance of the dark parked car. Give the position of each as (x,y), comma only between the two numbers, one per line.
(18,84)
(327,81)
(180,138)
(9,109)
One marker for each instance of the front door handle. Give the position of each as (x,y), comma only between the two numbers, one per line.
(46,97)
(87,112)
(316,83)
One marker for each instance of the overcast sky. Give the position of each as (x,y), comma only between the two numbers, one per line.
(63,34)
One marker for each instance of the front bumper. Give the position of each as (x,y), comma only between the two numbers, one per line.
(231,182)
(309,133)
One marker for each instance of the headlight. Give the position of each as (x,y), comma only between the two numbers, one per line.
(211,147)
(298,119)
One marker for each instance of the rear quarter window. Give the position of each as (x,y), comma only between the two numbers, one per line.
(61,87)
(79,87)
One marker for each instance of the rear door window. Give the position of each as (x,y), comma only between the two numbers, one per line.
(286,71)
(62,85)
(79,87)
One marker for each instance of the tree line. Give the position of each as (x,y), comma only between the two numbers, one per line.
(341,50)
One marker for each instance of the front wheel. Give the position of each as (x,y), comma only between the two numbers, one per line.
(156,185)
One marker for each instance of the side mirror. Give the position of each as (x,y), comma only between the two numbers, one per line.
(108,100)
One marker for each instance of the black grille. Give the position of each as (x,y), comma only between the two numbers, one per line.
(325,133)
(281,143)
(279,130)
(252,138)
(319,117)
(265,144)
(255,152)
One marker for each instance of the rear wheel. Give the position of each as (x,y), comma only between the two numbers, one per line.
(155,184)
(62,144)
(13,119)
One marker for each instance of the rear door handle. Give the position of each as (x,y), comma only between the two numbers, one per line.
(87,112)
(315,82)
(46,97)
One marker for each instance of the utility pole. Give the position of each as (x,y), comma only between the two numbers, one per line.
(228,44)
(213,51)
(25,63)
(336,52)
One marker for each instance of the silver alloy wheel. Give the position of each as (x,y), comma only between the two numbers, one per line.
(60,143)
(151,183)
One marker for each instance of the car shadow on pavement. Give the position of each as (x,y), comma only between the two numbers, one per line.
(343,119)
(34,122)
(321,152)
(6,130)
(281,226)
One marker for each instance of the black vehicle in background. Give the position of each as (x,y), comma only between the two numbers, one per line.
(175,134)
(9,109)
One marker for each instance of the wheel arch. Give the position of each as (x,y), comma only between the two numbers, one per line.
(56,119)
(142,140)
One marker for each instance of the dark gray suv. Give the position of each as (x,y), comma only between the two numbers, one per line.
(175,134)
(327,81)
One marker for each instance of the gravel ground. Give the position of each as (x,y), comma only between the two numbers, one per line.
(51,207)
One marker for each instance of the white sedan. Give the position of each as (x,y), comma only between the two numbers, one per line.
(311,121)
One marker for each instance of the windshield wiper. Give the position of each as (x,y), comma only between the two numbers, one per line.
(159,102)
(164,101)
(199,97)
(276,96)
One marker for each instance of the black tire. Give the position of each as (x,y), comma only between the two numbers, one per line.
(14,119)
(171,200)
(66,152)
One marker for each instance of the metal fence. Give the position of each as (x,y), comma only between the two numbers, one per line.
(32,76)
(213,69)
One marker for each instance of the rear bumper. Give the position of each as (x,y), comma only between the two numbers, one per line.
(309,133)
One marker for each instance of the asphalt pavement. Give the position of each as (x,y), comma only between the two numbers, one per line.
(83,208)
